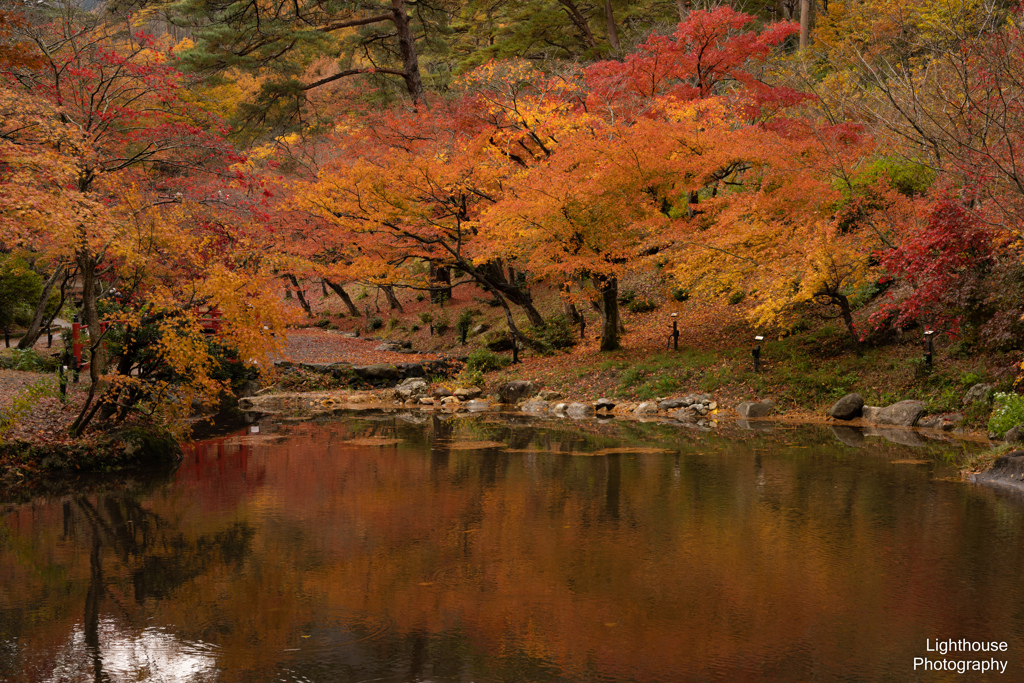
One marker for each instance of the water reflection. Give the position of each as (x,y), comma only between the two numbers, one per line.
(456,549)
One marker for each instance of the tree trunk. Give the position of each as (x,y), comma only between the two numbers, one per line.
(393,302)
(440,283)
(608,288)
(580,21)
(36,326)
(613,33)
(97,358)
(301,295)
(683,6)
(568,307)
(343,295)
(806,22)
(407,47)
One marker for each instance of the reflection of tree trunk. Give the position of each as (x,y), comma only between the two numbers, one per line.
(343,295)
(608,287)
(613,486)
(393,302)
(440,447)
(91,622)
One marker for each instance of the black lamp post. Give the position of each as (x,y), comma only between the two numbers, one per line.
(675,332)
(756,353)
(928,334)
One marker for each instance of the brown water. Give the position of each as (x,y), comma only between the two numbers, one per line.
(479,549)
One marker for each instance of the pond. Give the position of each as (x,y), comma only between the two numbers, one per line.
(414,547)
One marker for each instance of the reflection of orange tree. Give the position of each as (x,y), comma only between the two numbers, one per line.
(621,565)
(643,567)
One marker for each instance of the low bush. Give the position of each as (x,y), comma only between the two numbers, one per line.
(483,360)
(1008,413)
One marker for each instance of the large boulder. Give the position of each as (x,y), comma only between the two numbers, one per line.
(848,407)
(674,403)
(377,373)
(751,409)
(549,395)
(604,404)
(902,414)
(579,410)
(870,413)
(646,408)
(978,392)
(1007,469)
(516,390)
(1014,435)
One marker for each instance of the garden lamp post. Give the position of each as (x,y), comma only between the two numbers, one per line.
(675,331)
(928,334)
(756,353)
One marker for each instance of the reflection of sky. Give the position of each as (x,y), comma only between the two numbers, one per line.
(152,655)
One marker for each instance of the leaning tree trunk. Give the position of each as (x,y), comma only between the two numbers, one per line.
(568,307)
(300,294)
(393,302)
(35,328)
(608,288)
(343,295)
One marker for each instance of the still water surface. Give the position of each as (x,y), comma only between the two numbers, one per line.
(391,547)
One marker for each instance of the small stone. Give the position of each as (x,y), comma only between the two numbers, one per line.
(549,395)
(713,405)
(1014,435)
(477,405)
(605,404)
(463,393)
(449,400)
(534,405)
(558,408)
(426,401)
(671,404)
(516,390)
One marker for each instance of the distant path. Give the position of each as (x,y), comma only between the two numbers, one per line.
(330,346)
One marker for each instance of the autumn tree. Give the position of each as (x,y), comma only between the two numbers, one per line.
(101,139)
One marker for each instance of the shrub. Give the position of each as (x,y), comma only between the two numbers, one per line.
(1008,413)
(626,297)
(323,323)
(680,294)
(426,317)
(442,324)
(642,306)
(558,333)
(483,360)
(736,297)
(375,323)
(464,322)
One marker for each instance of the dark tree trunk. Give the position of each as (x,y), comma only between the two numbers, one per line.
(407,47)
(343,295)
(440,283)
(613,33)
(608,288)
(35,328)
(393,302)
(568,307)
(300,295)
